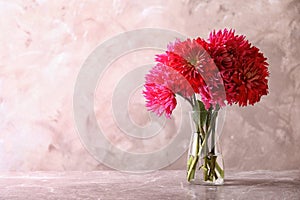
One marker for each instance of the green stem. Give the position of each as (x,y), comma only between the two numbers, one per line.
(205,128)
(213,133)
(193,160)
(220,170)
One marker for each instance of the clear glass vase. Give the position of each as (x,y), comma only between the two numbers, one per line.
(205,161)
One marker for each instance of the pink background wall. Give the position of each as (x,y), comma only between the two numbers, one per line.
(43,45)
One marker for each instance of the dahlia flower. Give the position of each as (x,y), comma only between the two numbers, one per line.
(192,61)
(170,78)
(186,58)
(243,68)
(159,99)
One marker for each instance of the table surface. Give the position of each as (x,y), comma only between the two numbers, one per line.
(168,184)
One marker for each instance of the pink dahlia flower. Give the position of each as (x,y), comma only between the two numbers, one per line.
(170,78)
(159,99)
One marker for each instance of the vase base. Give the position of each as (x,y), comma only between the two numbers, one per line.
(202,182)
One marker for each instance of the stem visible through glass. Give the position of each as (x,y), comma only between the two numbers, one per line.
(205,124)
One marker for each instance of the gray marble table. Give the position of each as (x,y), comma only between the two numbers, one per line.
(169,184)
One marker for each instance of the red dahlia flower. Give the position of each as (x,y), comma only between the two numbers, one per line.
(192,61)
(243,68)
(186,58)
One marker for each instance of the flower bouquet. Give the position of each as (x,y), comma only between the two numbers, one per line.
(209,74)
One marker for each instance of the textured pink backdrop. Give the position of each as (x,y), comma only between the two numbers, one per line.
(44,43)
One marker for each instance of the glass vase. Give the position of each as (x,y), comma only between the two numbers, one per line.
(205,161)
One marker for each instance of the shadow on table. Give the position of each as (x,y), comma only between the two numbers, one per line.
(253,182)
(245,189)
